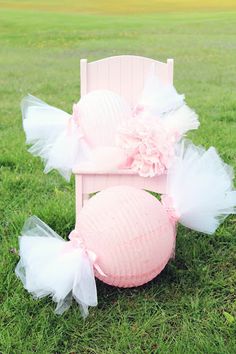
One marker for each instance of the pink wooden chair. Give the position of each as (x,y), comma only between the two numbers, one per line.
(125,75)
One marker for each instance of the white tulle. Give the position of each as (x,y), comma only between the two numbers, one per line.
(159,98)
(41,121)
(161,101)
(54,135)
(181,120)
(200,185)
(48,267)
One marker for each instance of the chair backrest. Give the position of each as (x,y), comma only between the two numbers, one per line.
(124,74)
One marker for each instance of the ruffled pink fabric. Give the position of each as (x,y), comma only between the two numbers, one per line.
(148,144)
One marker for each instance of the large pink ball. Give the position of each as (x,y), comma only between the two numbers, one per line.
(130,232)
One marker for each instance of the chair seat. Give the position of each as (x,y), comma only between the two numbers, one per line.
(92,181)
(86,171)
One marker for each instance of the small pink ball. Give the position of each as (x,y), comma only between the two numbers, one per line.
(101,113)
(130,232)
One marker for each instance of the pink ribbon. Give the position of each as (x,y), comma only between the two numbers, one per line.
(137,110)
(167,203)
(71,122)
(75,113)
(74,120)
(77,242)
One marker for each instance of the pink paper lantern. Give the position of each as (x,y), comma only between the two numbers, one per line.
(100,113)
(130,232)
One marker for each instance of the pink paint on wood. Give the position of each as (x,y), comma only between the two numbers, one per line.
(79,193)
(83,77)
(125,75)
(95,182)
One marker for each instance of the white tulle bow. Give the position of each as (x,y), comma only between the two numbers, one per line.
(157,97)
(49,265)
(161,101)
(199,190)
(56,136)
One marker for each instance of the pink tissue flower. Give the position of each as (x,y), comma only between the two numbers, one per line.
(148,144)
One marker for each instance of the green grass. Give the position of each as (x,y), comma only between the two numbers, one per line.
(191,306)
(121,6)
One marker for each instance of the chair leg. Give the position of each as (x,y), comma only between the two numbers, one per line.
(79,195)
(174,248)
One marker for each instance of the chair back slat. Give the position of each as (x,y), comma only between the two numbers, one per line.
(124,74)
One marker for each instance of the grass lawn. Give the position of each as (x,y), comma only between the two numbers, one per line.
(191,306)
